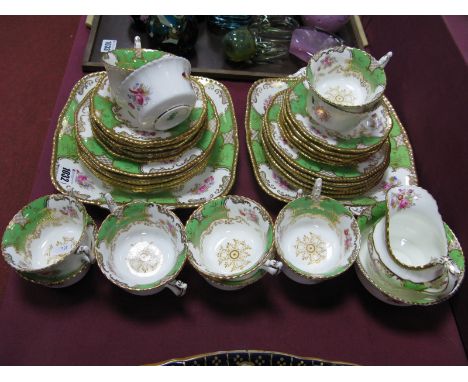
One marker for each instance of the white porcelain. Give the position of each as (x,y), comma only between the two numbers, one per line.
(50,241)
(414,275)
(415,233)
(345,84)
(229,240)
(159,95)
(316,238)
(141,248)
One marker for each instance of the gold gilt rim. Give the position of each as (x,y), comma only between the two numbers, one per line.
(376,170)
(389,247)
(329,146)
(220,353)
(402,300)
(253,161)
(311,276)
(99,202)
(291,173)
(156,142)
(324,146)
(104,166)
(60,260)
(144,188)
(313,152)
(115,151)
(164,280)
(219,277)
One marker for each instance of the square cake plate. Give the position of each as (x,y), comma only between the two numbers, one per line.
(70,175)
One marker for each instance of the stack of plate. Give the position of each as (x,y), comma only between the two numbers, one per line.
(137,160)
(302,151)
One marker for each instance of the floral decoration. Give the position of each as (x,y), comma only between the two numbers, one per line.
(200,189)
(403,199)
(348,239)
(138,96)
(83,180)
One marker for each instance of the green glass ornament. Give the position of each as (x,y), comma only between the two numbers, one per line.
(239,45)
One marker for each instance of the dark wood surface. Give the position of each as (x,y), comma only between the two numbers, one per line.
(208,59)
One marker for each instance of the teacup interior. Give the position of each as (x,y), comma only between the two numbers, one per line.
(43,232)
(229,236)
(346,76)
(312,244)
(231,247)
(415,244)
(142,254)
(141,245)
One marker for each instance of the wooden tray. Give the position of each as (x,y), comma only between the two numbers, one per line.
(209,59)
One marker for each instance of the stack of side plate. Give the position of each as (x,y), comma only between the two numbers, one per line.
(141,161)
(301,151)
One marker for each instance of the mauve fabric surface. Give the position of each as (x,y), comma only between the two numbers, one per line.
(95,323)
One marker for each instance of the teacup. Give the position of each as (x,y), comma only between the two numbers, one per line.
(120,63)
(141,248)
(345,85)
(230,242)
(50,241)
(316,238)
(159,95)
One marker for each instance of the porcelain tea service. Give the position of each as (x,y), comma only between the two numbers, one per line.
(345,85)
(316,237)
(50,241)
(152,88)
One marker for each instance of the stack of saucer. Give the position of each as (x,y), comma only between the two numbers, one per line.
(330,126)
(150,130)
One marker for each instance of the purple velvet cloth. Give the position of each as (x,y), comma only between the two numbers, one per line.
(95,323)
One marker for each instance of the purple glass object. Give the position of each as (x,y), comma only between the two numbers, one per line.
(327,23)
(306,41)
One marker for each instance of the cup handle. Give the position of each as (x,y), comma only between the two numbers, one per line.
(317,190)
(177,287)
(111,203)
(384,60)
(273,267)
(85,251)
(137,46)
